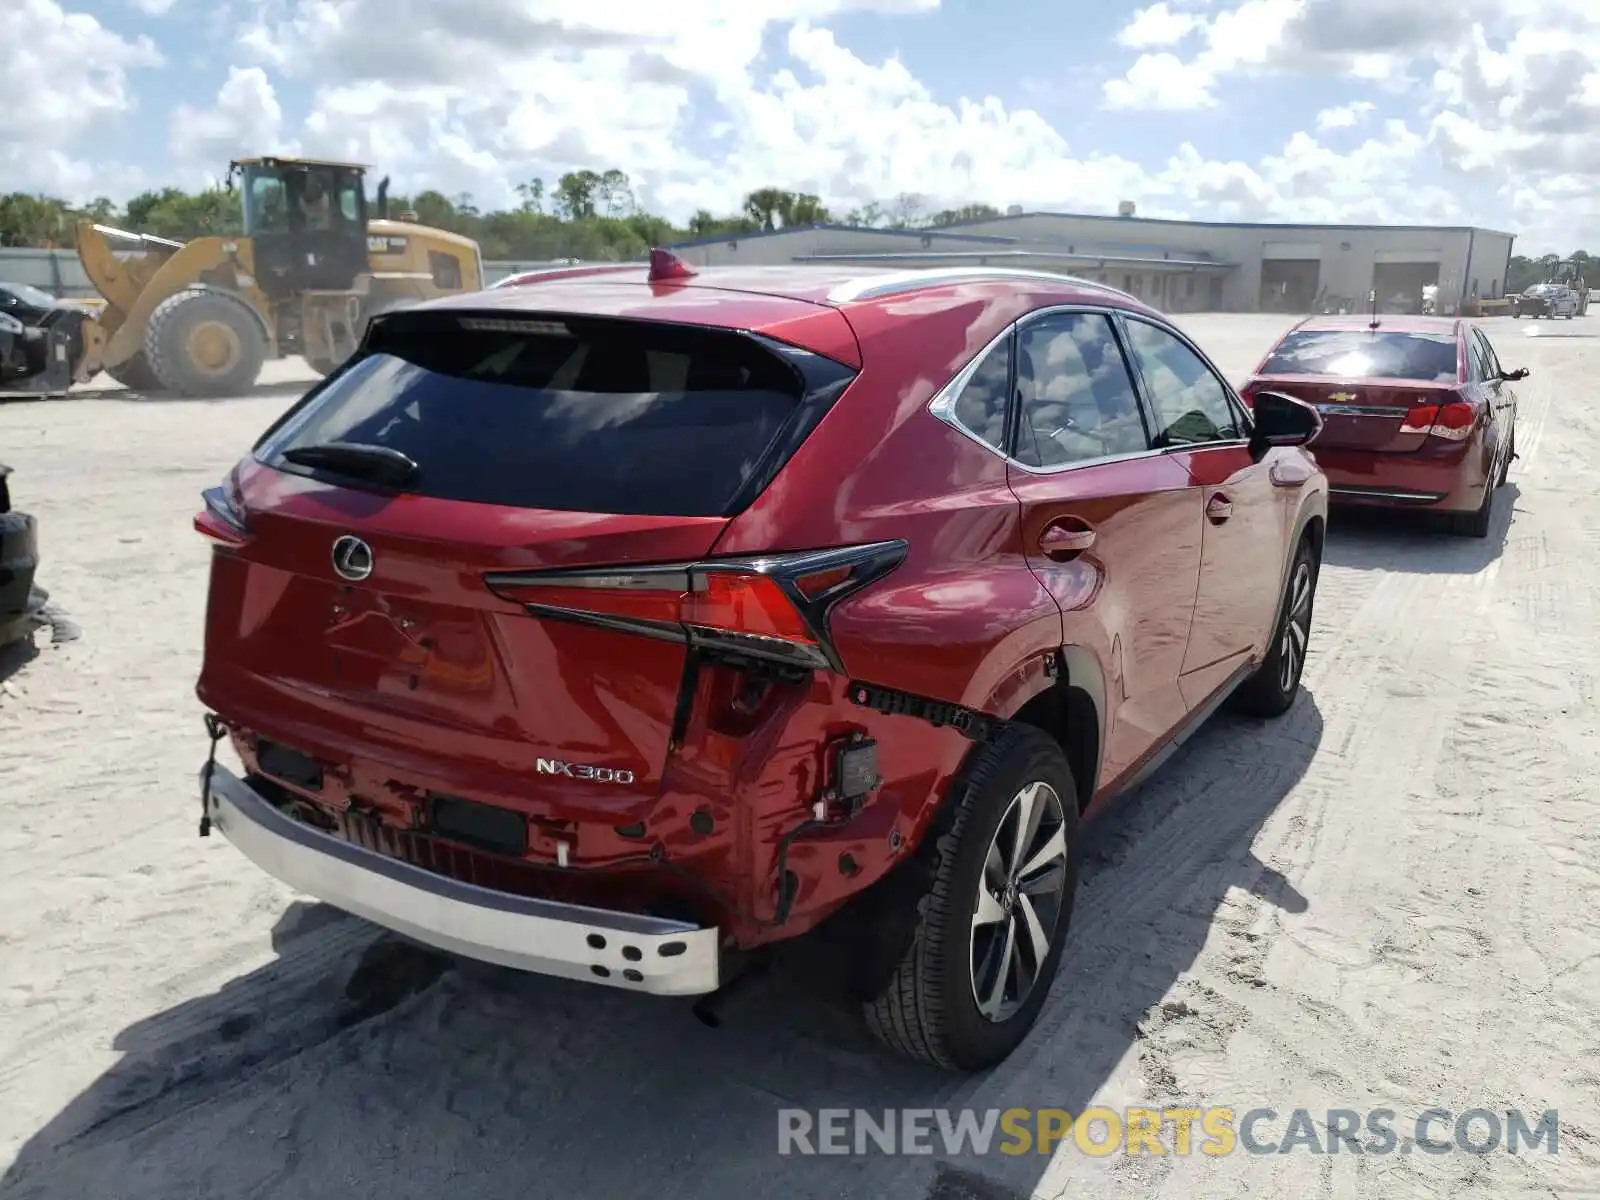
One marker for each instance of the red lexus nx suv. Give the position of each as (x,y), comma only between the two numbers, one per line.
(621,623)
(1419,412)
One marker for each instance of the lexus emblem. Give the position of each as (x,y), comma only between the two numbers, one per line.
(352,558)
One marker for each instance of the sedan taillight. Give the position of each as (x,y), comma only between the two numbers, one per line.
(1451,420)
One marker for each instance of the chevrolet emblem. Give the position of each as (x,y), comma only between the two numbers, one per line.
(1343,397)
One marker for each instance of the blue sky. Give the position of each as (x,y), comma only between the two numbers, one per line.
(1203,108)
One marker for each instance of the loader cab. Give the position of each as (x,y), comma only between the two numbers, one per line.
(307,222)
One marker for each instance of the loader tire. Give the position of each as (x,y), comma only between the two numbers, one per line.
(135,374)
(202,343)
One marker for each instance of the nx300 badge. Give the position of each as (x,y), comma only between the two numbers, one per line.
(554,766)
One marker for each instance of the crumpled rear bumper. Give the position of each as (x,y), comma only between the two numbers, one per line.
(626,950)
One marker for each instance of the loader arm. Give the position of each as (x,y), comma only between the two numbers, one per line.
(213,262)
(119,281)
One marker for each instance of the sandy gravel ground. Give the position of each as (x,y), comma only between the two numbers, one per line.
(1387,899)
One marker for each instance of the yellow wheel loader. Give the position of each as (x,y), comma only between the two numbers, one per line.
(198,318)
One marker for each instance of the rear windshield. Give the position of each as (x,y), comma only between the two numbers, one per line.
(1351,354)
(591,416)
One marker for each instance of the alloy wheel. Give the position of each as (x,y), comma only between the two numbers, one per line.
(1296,629)
(1019,901)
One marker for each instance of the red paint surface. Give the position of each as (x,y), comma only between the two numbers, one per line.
(420,679)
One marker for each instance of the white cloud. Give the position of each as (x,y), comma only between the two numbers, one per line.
(62,74)
(1238,37)
(705,100)
(1344,116)
(244,118)
(1158,25)
(1162,82)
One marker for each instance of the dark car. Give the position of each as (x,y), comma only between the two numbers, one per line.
(619,624)
(47,336)
(13,350)
(1547,300)
(1417,411)
(21,603)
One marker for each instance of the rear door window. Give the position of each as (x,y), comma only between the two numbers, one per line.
(1358,353)
(587,415)
(1077,401)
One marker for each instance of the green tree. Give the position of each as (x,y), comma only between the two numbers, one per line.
(967,212)
(588,215)
(173,213)
(35,221)
(532,194)
(576,195)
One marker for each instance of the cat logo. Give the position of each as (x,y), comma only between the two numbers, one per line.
(386,245)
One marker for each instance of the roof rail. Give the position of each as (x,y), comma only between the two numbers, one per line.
(546,274)
(873,287)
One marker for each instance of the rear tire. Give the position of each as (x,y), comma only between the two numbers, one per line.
(135,374)
(1505,467)
(202,343)
(1270,690)
(986,889)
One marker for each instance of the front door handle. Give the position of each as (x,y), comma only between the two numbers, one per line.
(1219,509)
(1063,541)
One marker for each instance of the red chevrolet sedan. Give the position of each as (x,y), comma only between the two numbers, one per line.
(1417,411)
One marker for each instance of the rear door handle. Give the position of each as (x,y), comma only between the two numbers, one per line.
(1062,541)
(1219,509)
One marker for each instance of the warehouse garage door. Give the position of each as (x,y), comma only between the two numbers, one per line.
(1399,283)
(1291,274)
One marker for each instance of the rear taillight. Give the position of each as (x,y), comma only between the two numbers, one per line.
(222,520)
(1451,420)
(773,608)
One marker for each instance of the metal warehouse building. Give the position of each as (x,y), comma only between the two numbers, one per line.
(1179,266)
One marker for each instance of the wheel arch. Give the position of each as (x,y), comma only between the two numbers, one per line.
(1311,524)
(1069,705)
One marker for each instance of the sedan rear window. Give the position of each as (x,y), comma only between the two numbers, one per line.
(1358,353)
(585,415)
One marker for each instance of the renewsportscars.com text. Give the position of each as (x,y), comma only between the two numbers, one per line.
(1098,1132)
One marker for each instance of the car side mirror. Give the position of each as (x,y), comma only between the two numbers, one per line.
(1513,376)
(1281,421)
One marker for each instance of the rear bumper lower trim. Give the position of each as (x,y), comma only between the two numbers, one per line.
(625,950)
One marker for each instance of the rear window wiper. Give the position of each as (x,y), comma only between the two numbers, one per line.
(381,464)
